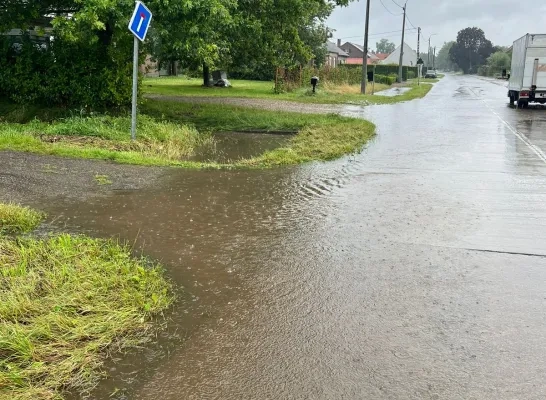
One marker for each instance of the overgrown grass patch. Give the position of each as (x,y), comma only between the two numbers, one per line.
(66,303)
(18,219)
(171,131)
(320,137)
(105,137)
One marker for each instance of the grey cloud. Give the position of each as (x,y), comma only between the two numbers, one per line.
(503,21)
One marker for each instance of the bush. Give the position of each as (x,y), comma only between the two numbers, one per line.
(391,79)
(387,80)
(65,73)
(383,69)
(411,75)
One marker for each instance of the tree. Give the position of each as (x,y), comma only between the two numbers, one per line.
(315,37)
(471,49)
(88,62)
(443,61)
(384,46)
(241,34)
(498,62)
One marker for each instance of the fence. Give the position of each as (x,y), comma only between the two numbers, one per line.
(290,79)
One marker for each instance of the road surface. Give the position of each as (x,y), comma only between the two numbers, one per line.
(414,270)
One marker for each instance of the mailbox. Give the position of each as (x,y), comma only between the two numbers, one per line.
(314,82)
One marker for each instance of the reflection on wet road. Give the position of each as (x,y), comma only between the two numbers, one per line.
(414,270)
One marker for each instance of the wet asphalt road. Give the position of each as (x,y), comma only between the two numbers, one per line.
(414,270)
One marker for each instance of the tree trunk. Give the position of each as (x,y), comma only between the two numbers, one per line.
(206,75)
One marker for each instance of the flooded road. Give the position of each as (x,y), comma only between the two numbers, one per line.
(414,270)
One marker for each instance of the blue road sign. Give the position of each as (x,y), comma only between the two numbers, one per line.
(140,21)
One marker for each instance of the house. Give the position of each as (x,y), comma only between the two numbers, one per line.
(336,56)
(381,56)
(409,58)
(355,52)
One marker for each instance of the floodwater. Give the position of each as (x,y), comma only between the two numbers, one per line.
(395,91)
(413,270)
(235,146)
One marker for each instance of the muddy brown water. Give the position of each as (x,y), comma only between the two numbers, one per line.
(395,91)
(413,270)
(235,146)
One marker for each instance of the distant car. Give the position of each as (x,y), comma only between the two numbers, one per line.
(431,74)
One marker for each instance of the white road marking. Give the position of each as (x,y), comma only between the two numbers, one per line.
(521,137)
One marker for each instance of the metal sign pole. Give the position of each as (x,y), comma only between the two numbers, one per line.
(138,25)
(135,85)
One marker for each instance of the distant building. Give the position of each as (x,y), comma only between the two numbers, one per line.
(381,56)
(355,53)
(409,58)
(336,56)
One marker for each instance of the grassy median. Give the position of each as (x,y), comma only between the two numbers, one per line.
(326,93)
(66,302)
(319,137)
(170,132)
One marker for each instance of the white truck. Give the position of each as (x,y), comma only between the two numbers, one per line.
(528,75)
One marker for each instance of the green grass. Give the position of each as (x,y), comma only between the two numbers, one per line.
(103,180)
(343,94)
(66,303)
(169,131)
(105,137)
(320,137)
(17,219)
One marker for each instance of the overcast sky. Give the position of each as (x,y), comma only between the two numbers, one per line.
(503,21)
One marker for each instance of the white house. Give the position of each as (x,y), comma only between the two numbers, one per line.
(409,58)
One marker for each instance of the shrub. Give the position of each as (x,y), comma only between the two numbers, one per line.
(65,73)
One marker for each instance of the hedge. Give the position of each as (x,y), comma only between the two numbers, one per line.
(381,69)
(66,73)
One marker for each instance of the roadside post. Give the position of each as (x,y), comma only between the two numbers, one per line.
(138,25)
(373,83)
(420,63)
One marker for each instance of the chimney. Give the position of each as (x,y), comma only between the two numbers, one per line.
(339,43)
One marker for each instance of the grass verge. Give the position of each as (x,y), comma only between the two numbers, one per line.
(326,94)
(16,219)
(104,137)
(170,131)
(320,137)
(66,302)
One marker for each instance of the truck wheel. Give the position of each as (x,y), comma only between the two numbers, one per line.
(523,104)
(512,98)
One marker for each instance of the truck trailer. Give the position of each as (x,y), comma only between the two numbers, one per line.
(528,75)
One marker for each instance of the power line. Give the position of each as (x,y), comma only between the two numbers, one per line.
(410,22)
(397,4)
(378,34)
(389,11)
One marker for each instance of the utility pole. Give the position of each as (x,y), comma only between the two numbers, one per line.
(428,53)
(434,59)
(402,45)
(365,52)
(429,50)
(418,41)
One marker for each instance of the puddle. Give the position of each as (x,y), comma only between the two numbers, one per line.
(235,146)
(397,91)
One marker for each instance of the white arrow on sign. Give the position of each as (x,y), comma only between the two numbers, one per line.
(142,18)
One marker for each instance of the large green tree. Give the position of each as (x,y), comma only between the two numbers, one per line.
(385,46)
(471,49)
